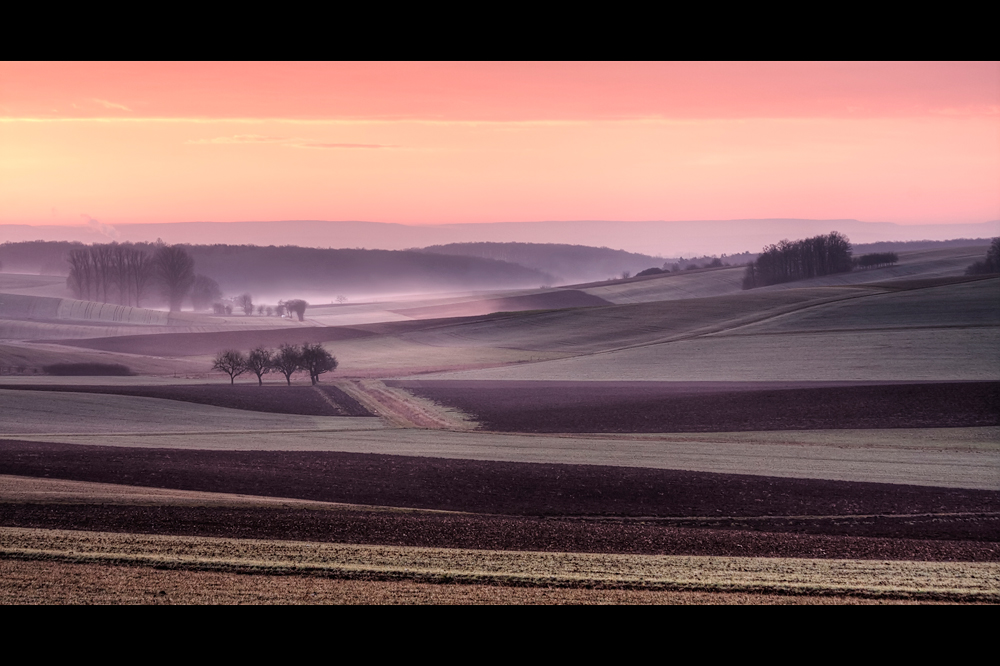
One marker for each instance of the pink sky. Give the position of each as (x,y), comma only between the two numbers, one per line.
(429,143)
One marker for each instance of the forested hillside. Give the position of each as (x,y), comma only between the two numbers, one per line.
(567,263)
(297,271)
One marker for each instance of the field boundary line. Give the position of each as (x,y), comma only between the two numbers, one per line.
(886,329)
(195,432)
(843,516)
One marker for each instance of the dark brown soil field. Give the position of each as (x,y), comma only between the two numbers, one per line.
(484,532)
(600,407)
(519,505)
(305,400)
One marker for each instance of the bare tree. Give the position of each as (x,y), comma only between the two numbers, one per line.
(259,362)
(81,271)
(316,360)
(109,273)
(287,361)
(245,301)
(175,268)
(140,272)
(231,362)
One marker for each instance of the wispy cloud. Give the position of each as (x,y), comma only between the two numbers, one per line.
(243,138)
(341,145)
(111,105)
(291,142)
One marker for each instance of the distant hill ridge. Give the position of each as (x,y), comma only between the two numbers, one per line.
(669,238)
(292,271)
(568,263)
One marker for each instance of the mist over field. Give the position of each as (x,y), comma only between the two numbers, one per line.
(499,333)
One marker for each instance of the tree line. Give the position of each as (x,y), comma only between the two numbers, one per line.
(798,260)
(244,301)
(989,265)
(125,274)
(286,360)
(877,260)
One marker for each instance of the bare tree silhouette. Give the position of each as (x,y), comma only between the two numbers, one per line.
(316,360)
(231,362)
(175,269)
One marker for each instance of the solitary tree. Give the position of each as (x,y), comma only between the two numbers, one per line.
(316,360)
(245,301)
(297,306)
(259,363)
(175,268)
(231,362)
(287,361)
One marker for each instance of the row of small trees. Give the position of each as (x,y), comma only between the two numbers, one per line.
(124,273)
(245,302)
(286,360)
(877,260)
(811,257)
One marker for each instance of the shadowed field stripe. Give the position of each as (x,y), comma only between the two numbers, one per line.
(958,581)
(806,458)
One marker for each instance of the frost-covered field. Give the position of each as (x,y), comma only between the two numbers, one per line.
(873,496)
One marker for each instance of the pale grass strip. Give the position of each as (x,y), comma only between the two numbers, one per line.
(873,578)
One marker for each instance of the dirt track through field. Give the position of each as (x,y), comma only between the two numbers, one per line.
(404,409)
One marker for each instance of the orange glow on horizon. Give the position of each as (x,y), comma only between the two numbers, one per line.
(426,143)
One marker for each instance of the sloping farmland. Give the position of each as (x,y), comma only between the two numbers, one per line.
(949,262)
(948,332)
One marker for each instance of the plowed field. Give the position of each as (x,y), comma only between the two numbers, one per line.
(579,407)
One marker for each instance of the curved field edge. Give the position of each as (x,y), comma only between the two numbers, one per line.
(509,488)
(678,407)
(954,581)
